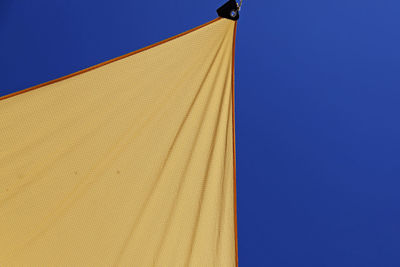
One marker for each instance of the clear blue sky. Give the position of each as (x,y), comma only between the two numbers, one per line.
(317,105)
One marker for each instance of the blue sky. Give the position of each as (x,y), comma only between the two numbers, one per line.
(317,110)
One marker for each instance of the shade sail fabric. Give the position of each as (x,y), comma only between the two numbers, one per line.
(128,163)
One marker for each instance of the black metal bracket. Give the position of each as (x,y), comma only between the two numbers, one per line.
(229,10)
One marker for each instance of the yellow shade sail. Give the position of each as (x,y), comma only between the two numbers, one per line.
(128,163)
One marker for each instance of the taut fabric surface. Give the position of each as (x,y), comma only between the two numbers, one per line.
(127,164)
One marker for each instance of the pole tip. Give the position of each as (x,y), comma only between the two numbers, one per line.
(229,10)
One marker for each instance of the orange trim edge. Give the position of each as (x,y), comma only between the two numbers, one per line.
(234,144)
(107,62)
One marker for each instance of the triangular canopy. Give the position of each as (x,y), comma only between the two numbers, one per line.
(127,163)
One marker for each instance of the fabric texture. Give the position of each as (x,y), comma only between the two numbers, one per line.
(127,164)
